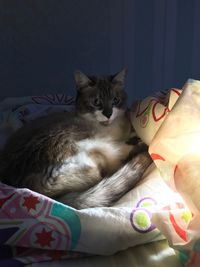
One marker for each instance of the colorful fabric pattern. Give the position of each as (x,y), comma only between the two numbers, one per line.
(148,115)
(35,228)
(171,128)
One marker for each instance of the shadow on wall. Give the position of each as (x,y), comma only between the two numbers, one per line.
(42,44)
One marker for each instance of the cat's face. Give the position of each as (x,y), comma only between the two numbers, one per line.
(101,98)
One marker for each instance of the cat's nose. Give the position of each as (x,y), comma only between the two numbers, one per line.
(107,113)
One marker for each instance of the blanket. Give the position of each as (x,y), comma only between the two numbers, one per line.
(175,149)
(36,228)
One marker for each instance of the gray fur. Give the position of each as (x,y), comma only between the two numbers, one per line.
(77,158)
(109,190)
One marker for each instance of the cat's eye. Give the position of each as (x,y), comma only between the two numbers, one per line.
(115,101)
(97,102)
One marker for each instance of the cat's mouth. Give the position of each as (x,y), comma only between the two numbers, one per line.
(105,122)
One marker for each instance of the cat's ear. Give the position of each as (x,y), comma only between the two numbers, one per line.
(120,76)
(81,79)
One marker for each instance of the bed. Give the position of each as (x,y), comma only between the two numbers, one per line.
(155,224)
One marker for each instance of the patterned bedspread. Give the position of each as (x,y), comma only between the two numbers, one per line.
(34,228)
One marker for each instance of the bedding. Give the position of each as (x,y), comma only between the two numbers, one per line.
(175,149)
(35,228)
(155,254)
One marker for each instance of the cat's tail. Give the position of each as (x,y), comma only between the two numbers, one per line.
(110,189)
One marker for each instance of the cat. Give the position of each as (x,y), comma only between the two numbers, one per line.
(79,158)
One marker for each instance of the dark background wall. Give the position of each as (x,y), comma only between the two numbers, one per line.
(43,42)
